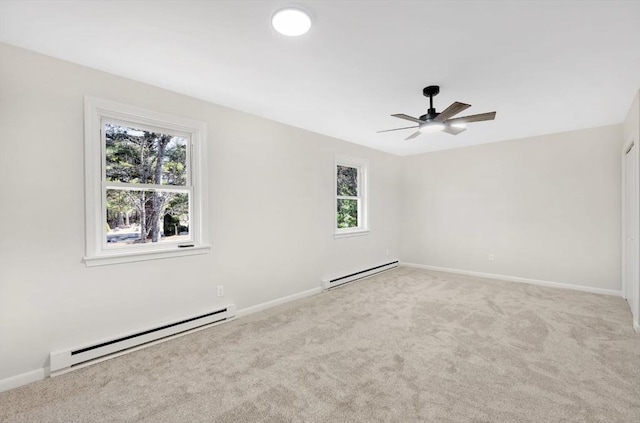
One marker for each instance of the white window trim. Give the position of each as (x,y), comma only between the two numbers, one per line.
(363,193)
(95,109)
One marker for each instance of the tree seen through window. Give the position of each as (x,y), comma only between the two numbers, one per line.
(347,197)
(143,172)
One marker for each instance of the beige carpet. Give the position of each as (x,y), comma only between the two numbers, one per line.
(404,346)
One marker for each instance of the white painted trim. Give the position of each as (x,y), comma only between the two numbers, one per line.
(263,306)
(613,292)
(41,374)
(631,289)
(626,149)
(636,326)
(363,196)
(95,109)
(352,233)
(130,257)
(23,379)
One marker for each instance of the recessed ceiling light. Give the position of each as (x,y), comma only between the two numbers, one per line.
(291,22)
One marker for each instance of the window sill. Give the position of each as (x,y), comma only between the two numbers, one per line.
(130,257)
(360,232)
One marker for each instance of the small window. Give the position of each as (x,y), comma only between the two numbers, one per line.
(351,200)
(144,190)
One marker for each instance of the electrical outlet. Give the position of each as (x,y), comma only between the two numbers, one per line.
(220,290)
(492,257)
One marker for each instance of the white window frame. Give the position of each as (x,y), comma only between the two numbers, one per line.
(96,253)
(362,165)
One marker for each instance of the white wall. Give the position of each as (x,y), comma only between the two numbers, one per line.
(271,214)
(547,207)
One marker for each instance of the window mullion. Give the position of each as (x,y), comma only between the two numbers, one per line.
(146,187)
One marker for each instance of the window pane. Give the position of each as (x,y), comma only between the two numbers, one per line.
(347,181)
(347,213)
(138,217)
(139,156)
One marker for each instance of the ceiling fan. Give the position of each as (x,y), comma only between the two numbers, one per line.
(443,121)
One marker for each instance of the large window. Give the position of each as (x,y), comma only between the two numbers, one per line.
(144,193)
(351,199)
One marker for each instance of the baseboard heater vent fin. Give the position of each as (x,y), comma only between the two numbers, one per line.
(63,361)
(331,283)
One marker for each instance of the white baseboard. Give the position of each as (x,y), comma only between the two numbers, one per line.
(636,326)
(40,374)
(561,285)
(23,379)
(259,307)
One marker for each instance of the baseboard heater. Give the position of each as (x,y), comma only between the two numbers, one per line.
(331,283)
(63,361)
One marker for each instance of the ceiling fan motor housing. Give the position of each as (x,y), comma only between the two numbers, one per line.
(431,114)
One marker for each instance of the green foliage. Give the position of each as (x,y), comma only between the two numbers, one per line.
(136,156)
(347,213)
(178,206)
(176,215)
(118,207)
(347,186)
(347,179)
(143,157)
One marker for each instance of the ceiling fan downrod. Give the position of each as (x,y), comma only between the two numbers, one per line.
(430,91)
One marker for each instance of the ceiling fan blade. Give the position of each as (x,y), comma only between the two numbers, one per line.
(453,130)
(407,117)
(472,118)
(412,136)
(397,129)
(452,110)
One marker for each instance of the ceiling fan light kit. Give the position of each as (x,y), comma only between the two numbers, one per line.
(444,121)
(431,127)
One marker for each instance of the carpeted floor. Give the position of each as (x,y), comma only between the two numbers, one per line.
(407,345)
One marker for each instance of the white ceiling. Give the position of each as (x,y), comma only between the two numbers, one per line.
(544,66)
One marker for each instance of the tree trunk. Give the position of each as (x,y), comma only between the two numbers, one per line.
(157,200)
(143,217)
